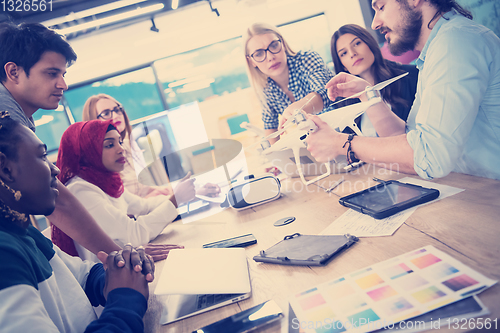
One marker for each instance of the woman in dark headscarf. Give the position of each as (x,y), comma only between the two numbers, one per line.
(90,159)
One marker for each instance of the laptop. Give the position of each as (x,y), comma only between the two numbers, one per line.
(194,281)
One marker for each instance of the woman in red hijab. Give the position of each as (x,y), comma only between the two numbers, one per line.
(90,159)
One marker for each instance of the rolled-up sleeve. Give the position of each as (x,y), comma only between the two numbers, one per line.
(451,86)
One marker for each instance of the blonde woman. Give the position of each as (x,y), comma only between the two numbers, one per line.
(283,79)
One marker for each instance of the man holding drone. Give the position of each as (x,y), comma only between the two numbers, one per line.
(454,123)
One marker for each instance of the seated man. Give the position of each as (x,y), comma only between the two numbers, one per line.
(454,123)
(43,289)
(34,60)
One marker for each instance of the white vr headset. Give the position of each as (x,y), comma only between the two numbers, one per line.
(254,192)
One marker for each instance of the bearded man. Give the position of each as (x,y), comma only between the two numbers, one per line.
(454,123)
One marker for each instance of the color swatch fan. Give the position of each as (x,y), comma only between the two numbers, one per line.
(388,292)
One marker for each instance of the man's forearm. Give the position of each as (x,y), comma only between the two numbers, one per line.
(71,217)
(392,153)
(385,122)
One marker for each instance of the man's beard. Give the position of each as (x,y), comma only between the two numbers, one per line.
(409,31)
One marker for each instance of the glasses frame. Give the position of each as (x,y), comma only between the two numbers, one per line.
(117,110)
(267,49)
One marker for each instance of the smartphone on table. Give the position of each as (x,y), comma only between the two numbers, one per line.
(240,241)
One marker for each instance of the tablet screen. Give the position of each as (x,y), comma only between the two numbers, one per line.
(386,196)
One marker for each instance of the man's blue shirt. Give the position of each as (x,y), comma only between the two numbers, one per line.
(454,124)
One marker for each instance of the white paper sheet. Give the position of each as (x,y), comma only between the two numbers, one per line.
(361,225)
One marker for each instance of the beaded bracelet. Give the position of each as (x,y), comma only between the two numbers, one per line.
(351,158)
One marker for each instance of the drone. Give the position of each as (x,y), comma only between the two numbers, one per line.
(338,119)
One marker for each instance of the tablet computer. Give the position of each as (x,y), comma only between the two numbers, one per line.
(388,198)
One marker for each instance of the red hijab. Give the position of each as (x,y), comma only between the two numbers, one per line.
(80,154)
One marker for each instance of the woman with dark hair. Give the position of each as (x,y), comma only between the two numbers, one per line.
(91,158)
(355,51)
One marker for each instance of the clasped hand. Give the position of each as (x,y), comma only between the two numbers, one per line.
(129,268)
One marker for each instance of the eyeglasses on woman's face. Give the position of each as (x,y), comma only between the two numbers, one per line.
(261,54)
(108,113)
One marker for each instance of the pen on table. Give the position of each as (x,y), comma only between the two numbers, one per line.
(379,180)
(337,183)
(224,183)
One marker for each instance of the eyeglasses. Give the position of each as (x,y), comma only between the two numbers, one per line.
(108,114)
(261,54)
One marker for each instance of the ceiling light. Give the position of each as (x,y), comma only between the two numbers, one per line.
(92,11)
(112,19)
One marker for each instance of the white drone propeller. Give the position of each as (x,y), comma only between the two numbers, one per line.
(291,121)
(378,86)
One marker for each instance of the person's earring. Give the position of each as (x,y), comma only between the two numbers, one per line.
(17,194)
(16,217)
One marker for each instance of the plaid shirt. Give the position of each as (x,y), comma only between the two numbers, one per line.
(308,73)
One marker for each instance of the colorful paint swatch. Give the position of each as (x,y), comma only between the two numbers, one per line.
(440,271)
(323,322)
(411,254)
(311,301)
(411,282)
(396,306)
(306,292)
(425,261)
(362,318)
(382,293)
(361,272)
(341,290)
(320,314)
(337,281)
(441,303)
(369,281)
(351,304)
(460,282)
(397,271)
(428,294)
